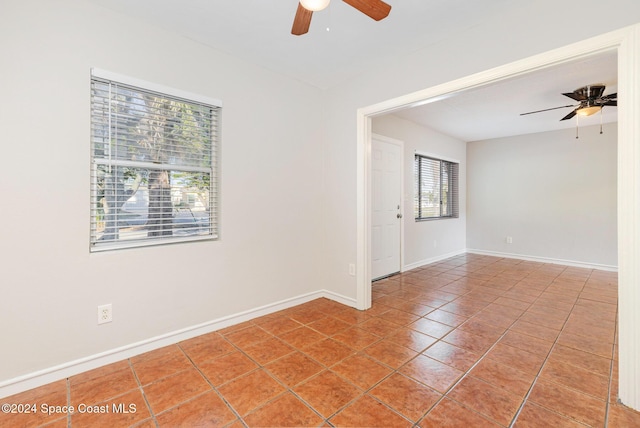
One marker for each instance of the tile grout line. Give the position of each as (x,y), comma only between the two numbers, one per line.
(468,371)
(288,389)
(397,370)
(68,384)
(364,392)
(525,400)
(451,387)
(535,379)
(611,369)
(546,288)
(144,396)
(222,397)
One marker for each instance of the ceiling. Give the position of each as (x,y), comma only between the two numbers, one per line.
(493,111)
(259,32)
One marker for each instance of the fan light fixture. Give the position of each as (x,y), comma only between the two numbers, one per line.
(374,9)
(314,5)
(588,111)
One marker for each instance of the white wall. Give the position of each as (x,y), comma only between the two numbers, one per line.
(419,236)
(272,187)
(555,195)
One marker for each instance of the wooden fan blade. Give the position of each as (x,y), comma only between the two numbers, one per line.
(611,103)
(375,9)
(302,21)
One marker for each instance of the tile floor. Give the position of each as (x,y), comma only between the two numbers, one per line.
(472,341)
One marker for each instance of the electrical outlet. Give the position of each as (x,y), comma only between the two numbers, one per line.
(509,240)
(105,314)
(352,269)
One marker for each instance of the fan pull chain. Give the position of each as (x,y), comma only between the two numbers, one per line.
(577,124)
(600,120)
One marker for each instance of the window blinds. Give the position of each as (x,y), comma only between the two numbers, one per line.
(436,188)
(154,167)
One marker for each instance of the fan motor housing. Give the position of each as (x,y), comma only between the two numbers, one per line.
(590,91)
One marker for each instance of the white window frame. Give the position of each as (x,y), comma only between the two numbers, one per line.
(210,219)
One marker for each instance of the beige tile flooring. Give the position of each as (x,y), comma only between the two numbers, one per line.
(472,341)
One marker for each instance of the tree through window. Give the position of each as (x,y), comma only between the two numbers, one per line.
(154,165)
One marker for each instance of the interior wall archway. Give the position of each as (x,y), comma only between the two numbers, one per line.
(627,43)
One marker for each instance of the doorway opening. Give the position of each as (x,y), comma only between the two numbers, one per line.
(626,42)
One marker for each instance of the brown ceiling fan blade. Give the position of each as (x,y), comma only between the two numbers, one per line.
(375,9)
(302,21)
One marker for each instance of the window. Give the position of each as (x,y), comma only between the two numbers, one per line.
(436,188)
(154,164)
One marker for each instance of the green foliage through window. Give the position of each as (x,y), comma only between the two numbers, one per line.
(154,167)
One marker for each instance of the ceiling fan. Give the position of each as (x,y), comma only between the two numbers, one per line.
(590,98)
(375,9)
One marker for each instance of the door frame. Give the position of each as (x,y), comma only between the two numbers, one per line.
(402,199)
(626,42)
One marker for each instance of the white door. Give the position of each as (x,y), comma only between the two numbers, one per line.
(386,206)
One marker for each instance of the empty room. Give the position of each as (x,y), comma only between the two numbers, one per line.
(192,213)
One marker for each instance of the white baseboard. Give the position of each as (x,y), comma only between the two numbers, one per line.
(431,260)
(573,263)
(71,368)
